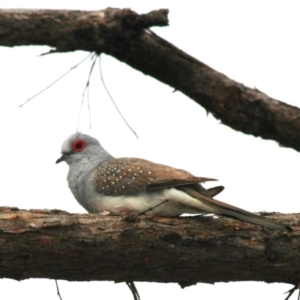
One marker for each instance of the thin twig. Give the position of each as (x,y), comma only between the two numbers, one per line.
(131,217)
(133,290)
(55,81)
(86,91)
(151,208)
(89,107)
(291,292)
(57,289)
(112,100)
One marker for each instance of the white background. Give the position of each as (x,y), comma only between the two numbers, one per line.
(253,42)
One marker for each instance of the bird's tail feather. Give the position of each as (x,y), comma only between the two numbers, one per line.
(210,205)
(215,190)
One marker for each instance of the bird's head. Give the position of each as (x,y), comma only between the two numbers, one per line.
(81,147)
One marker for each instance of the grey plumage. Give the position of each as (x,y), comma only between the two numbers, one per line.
(100,182)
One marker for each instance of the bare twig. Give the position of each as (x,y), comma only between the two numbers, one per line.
(86,91)
(151,208)
(133,290)
(292,290)
(57,289)
(112,100)
(55,81)
(132,217)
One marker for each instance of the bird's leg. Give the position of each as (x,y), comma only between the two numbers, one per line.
(129,215)
(126,211)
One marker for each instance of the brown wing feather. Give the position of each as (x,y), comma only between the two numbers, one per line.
(127,176)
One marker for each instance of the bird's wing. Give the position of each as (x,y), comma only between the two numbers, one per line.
(128,176)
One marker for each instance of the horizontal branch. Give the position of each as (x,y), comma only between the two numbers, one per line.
(84,247)
(123,34)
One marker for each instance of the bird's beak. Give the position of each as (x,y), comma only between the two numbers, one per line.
(62,158)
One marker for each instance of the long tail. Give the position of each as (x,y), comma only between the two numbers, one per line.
(210,205)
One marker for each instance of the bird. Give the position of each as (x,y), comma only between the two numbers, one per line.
(101,182)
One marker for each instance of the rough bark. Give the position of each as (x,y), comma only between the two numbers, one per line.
(55,244)
(125,35)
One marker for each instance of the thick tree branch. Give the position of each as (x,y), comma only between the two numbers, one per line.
(124,35)
(55,244)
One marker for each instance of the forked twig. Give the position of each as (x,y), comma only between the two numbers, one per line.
(291,292)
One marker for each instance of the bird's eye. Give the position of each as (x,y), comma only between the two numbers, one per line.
(78,145)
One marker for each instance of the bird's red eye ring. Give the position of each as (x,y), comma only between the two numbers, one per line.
(78,145)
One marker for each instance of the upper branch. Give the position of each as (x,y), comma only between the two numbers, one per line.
(58,245)
(125,35)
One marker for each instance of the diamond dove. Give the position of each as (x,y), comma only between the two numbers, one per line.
(101,182)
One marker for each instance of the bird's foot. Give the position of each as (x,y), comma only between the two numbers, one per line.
(129,215)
